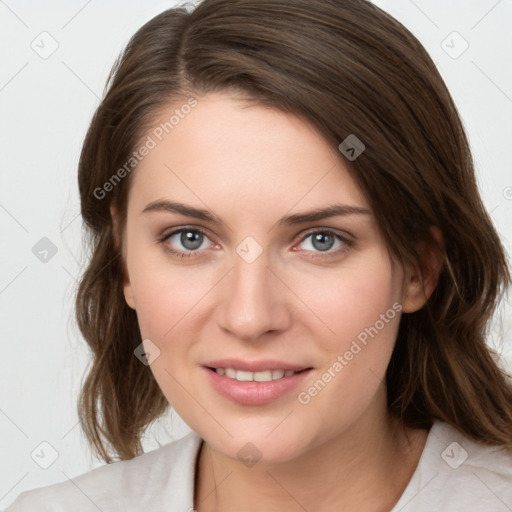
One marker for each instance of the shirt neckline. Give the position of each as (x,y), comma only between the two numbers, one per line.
(434,438)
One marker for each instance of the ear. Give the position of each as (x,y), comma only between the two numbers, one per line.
(421,280)
(120,247)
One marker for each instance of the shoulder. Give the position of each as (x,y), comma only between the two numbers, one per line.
(457,473)
(161,476)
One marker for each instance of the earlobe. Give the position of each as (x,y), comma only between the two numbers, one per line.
(421,280)
(118,243)
(127,286)
(128,293)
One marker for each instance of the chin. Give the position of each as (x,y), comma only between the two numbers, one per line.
(256,445)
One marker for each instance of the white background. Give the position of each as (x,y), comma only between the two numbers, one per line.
(45,108)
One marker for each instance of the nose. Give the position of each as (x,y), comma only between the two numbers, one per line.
(254,301)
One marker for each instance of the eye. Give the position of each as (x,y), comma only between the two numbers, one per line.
(188,242)
(185,241)
(325,241)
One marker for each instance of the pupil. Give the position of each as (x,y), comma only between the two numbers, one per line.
(323,241)
(191,240)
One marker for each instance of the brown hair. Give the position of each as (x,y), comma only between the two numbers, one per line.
(348,68)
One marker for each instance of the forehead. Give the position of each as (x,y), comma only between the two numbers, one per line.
(246,159)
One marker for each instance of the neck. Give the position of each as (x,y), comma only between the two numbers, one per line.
(366,467)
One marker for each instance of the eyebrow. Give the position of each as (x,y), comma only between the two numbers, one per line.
(334,210)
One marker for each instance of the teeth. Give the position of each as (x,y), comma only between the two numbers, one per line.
(245,376)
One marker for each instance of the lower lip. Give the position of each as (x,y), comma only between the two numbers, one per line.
(254,393)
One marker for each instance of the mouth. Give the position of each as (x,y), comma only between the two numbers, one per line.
(255,383)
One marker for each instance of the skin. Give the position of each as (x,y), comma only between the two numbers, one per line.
(251,165)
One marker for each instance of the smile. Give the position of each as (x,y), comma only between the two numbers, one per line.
(259,385)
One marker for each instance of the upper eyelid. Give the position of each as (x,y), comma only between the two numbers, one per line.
(177,230)
(337,232)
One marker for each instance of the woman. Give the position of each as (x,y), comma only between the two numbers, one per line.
(289,249)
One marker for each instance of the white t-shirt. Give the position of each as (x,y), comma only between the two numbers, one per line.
(453,474)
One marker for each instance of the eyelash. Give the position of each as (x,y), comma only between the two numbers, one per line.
(192,254)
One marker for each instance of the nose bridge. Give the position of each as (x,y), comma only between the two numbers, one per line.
(252,302)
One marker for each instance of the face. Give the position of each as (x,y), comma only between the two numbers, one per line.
(253,286)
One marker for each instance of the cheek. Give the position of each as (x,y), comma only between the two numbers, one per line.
(165,293)
(361,307)
(349,301)
(168,305)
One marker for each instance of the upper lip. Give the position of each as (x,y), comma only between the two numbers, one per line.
(255,366)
